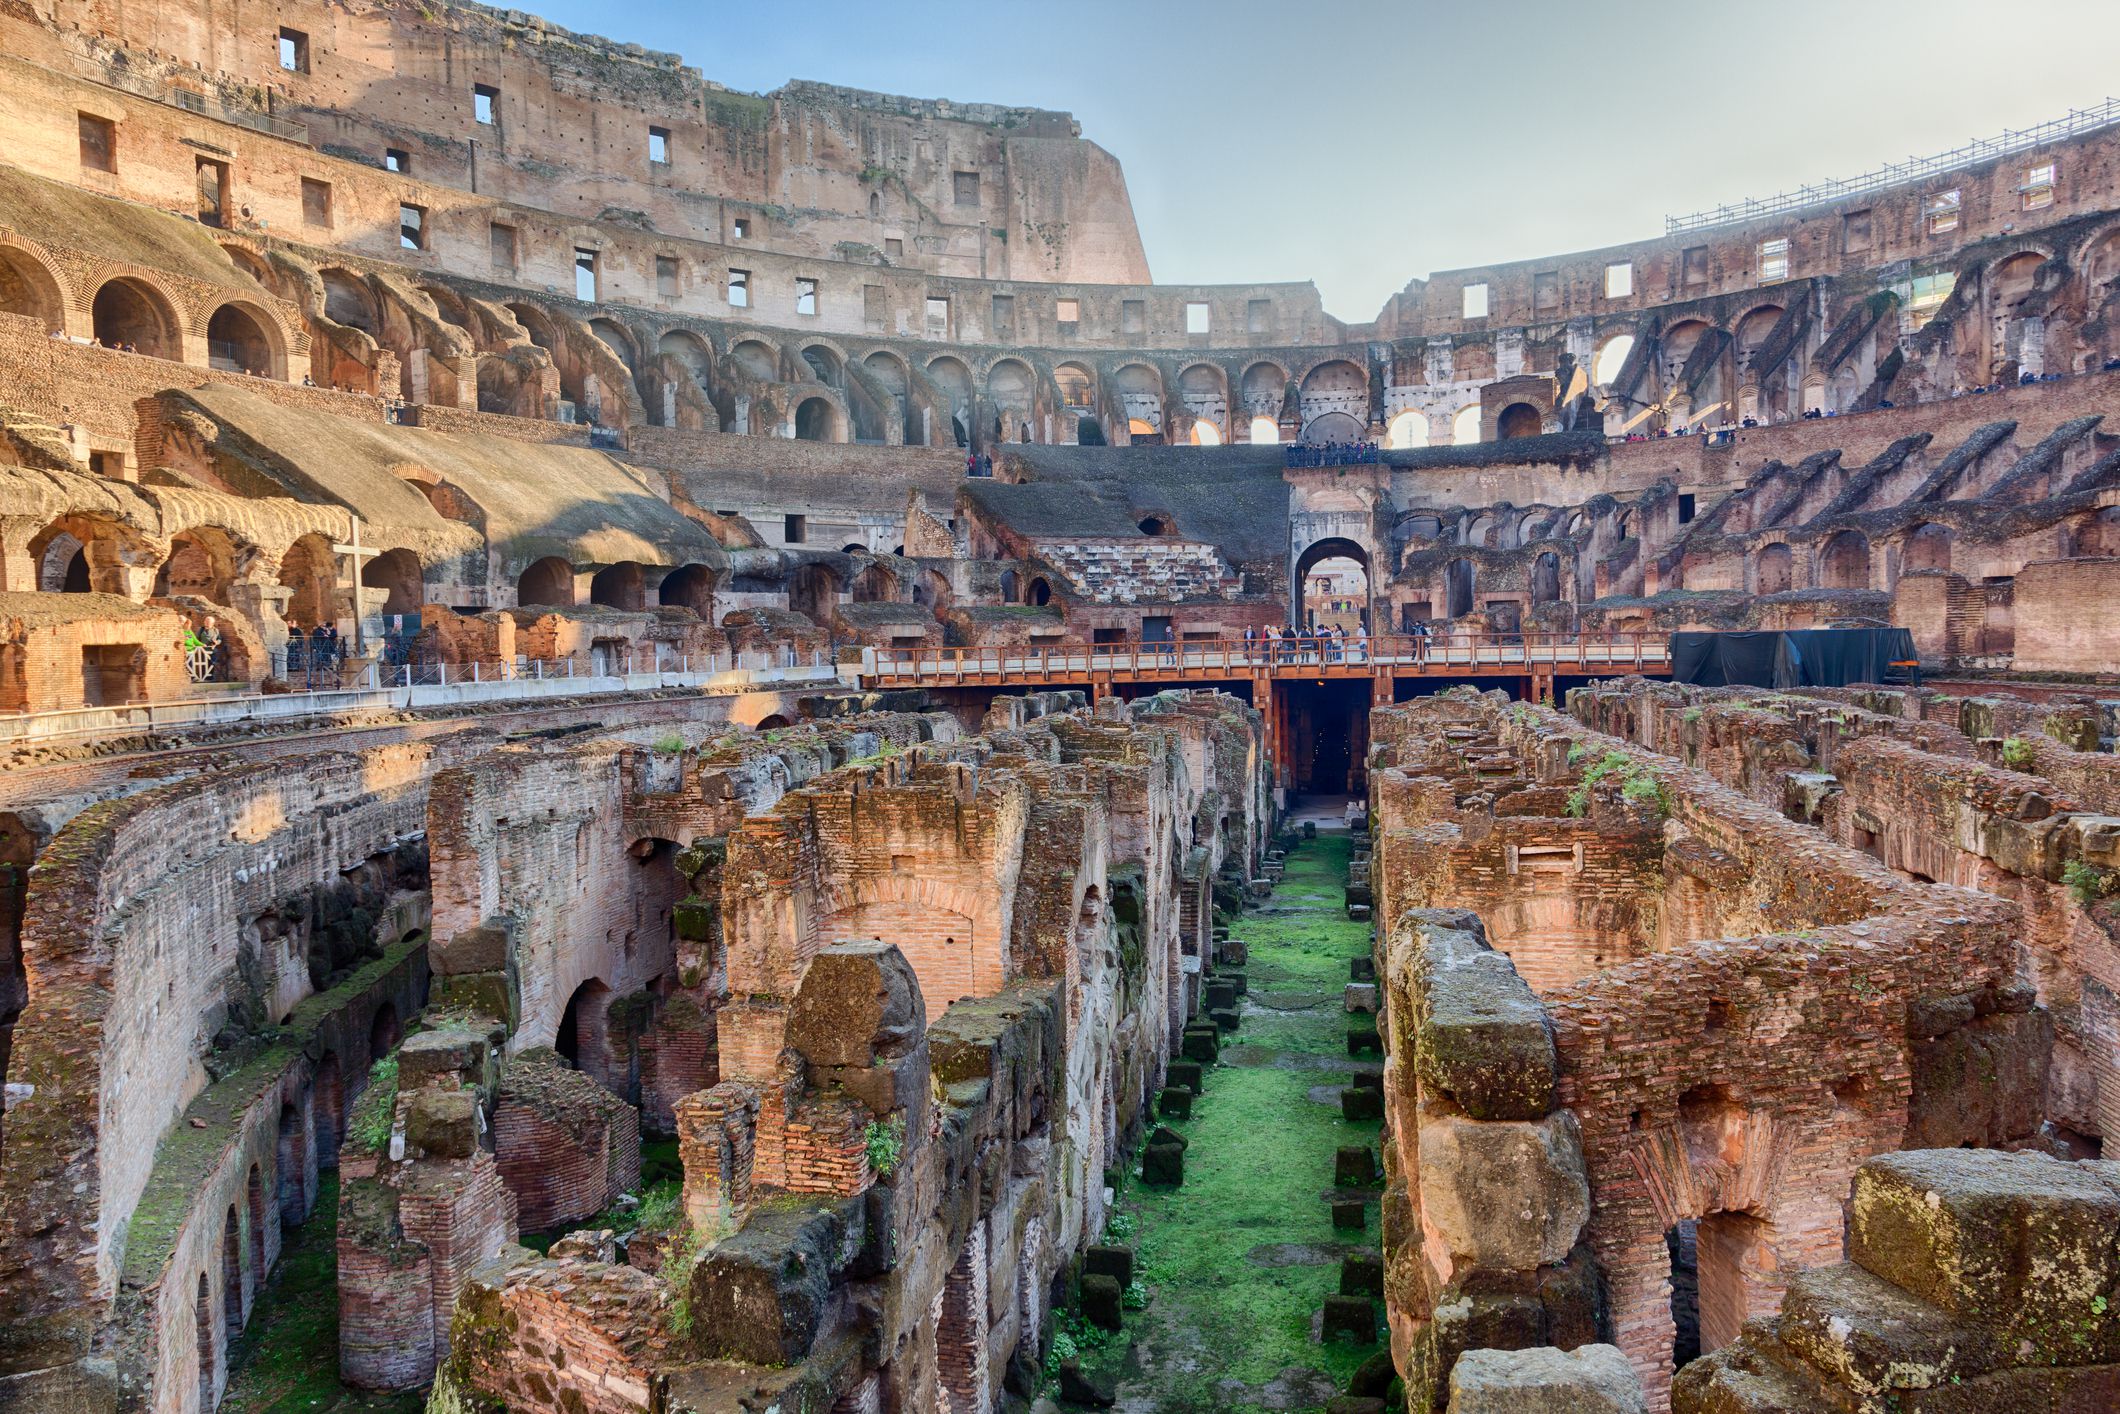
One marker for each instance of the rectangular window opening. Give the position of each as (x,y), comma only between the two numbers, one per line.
(213,191)
(793,529)
(99,143)
(1774,259)
(1685,507)
(585,275)
(294,51)
(965,188)
(412,227)
(1258,316)
(1476,301)
(740,229)
(1855,231)
(1694,264)
(659,146)
(1004,316)
(805,295)
(2038,188)
(396,159)
(1619,279)
(893,248)
(1133,316)
(316,202)
(938,317)
(1198,317)
(502,243)
(1941,213)
(875,307)
(739,289)
(666,276)
(1546,290)
(485,100)
(1068,313)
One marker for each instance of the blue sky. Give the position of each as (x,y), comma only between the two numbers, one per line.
(1361,143)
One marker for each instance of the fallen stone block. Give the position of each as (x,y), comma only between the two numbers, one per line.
(1163,1165)
(1354,1317)
(1105,1260)
(1185,1073)
(1358,1103)
(1202,1043)
(1354,1166)
(1369,1078)
(1350,1214)
(1079,1386)
(1234,953)
(1505,1194)
(1363,1038)
(1372,1378)
(1591,1379)
(1239,981)
(1358,912)
(1310,829)
(1361,969)
(1225,1019)
(1103,1302)
(1174,1102)
(1360,997)
(1218,995)
(1362,1274)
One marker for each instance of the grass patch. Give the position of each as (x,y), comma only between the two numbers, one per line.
(1260,1161)
(287,1359)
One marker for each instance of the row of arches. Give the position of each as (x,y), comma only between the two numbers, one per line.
(135,312)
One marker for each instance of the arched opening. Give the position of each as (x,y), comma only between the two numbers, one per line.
(620,586)
(232,1270)
(1518,420)
(306,571)
(2097,536)
(689,587)
(772,723)
(1333,427)
(953,381)
(613,336)
(129,315)
(1928,548)
(1154,525)
(62,567)
(757,359)
(815,420)
(875,585)
(887,372)
(1409,429)
(1775,570)
(1611,358)
(254,1199)
(27,288)
(1040,592)
(1844,563)
(1465,427)
(1076,388)
(823,364)
(813,592)
(201,565)
(582,1037)
(1205,433)
(347,301)
(384,1032)
(1459,581)
(236,342)
(1265,432)
(1546,578)
(548,582)
(202,1320)
(1331,582)
(1010,586)
(397,574)
(328,1108)
(294,1178)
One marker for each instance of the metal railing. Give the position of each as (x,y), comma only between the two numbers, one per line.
(1438,654)
(160,91)
(2075,123)
(431,672)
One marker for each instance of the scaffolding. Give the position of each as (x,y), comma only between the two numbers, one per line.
(2077,122)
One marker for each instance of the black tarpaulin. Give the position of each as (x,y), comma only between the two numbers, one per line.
(1810,657)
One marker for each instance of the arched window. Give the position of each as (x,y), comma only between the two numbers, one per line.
(1845,561)
(1518,420)
(128,314)
(1265,432)
(548,582)
(1409,429)
(236,342)
(1465,427)
(1611,358)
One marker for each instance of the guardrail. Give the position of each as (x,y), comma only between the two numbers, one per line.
(1436,653)
(373,687)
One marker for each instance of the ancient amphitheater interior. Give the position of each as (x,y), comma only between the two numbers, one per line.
(671,751)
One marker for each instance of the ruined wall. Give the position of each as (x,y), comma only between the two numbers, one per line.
(1805,1010)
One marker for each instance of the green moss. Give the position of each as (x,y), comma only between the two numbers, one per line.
(1260,1160)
